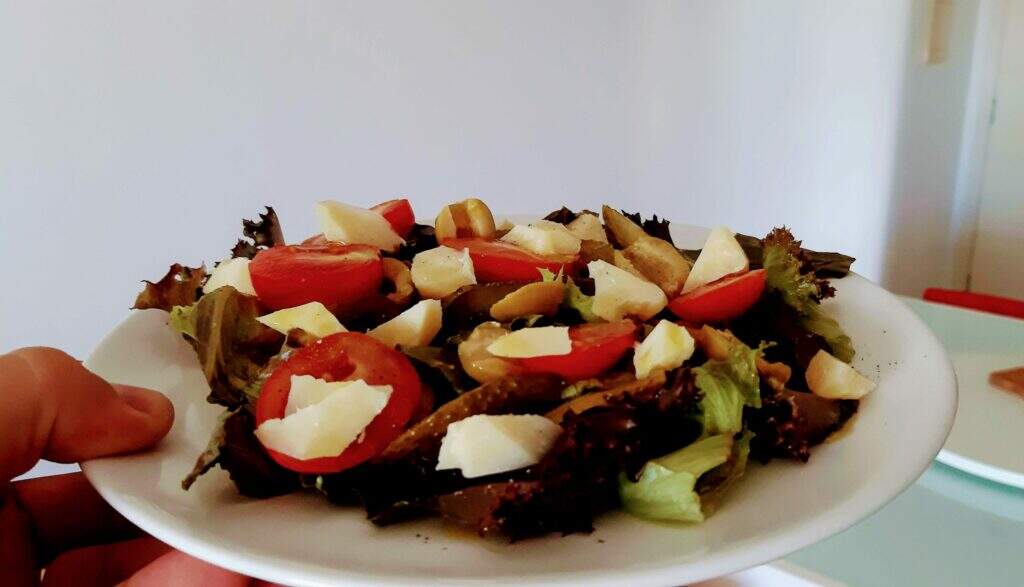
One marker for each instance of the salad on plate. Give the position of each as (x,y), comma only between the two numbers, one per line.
(517,379)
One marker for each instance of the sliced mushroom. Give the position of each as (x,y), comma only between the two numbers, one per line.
(596,399)
(477,362)
(620,261)
(469,218)
(659,262)
(656,259)
(624,231)
(593,250)
(400,277)
(471,304)
(527,393)
(533,298)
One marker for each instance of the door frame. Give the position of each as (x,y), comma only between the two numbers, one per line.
(979,111)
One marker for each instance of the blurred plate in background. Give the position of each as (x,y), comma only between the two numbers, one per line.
(987,439)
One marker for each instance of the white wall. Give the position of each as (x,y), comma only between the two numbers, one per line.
(757,114)
(136,134)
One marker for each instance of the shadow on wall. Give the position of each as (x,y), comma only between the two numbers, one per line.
(926,213)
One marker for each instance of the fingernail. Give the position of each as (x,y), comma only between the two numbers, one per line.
(145,400)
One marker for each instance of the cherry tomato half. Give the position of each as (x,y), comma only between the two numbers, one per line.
(495,261)
(721,300)
(398,213)
(336,275)
(346,356)
(595,348)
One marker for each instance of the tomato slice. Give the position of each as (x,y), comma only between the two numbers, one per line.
(336,275)
(595,348)
(498,261)
(721,300)
(398,213)
(346,356)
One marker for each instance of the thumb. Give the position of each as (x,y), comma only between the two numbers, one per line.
(52,407)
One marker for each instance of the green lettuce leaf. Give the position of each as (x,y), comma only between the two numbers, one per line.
(799,290)
(211,455)
(420,238)
(232,346)
(823,264)
(234,446)
(820,323)
(438,367)
(179,287)
(582,386)
(247,462)
(183,320)
(666,487)
(549,275)
(562,216)
(528,321)
(727,386)
(574,297)
(788,274)
(259,234)
(653,226)
(581,302)
(714,484)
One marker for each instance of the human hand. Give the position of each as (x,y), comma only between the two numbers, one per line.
(51,407)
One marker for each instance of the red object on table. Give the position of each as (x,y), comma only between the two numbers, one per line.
(976,301)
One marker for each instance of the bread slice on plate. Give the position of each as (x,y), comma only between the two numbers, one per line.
(1011,380)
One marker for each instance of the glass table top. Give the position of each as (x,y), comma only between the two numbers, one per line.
(949,528)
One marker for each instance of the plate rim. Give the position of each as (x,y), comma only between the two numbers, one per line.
(980,469)
(729,558)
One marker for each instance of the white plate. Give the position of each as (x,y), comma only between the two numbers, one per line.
(301,539)
(987,439)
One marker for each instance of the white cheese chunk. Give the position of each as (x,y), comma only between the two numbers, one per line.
(618,293)
(306,390)
(484,445)
(313,318)
(588,227)
(829,377)
(544,237)
(439,272)
(356,226)
(233,272)
(326,417)
(543,341)
(665,348)
(722,255)
(416,326)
